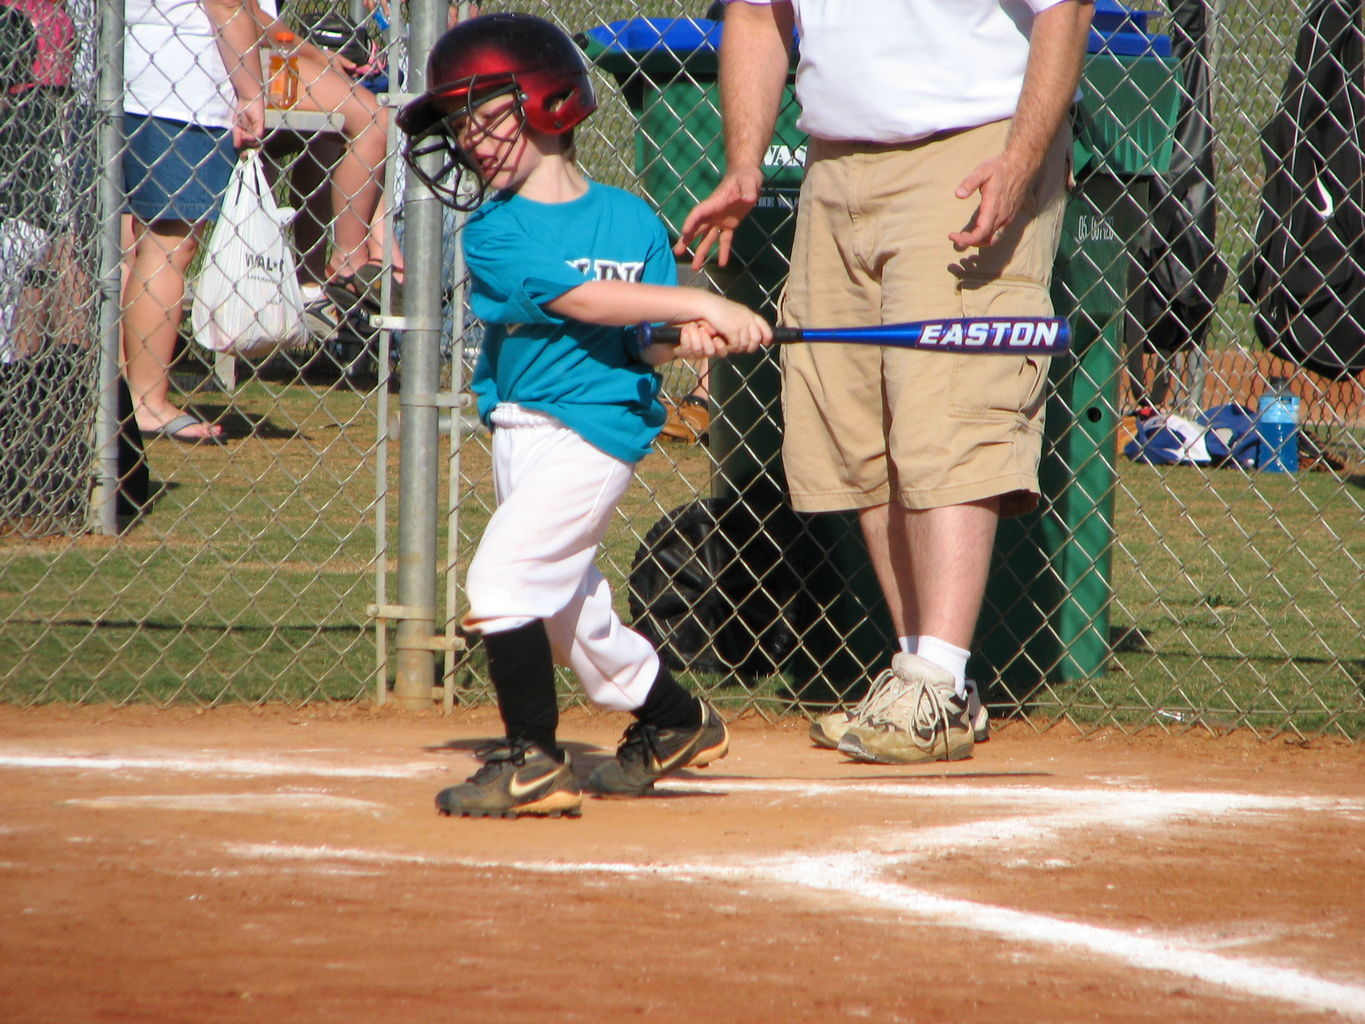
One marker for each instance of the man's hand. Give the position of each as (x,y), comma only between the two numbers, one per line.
(1056,49)
(1002,184)
(716,217)
(755,55)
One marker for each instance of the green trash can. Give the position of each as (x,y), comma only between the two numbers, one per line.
(1047,611)
(667,70)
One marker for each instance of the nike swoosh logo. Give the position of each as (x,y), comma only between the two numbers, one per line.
(1329,205)
(676,759)
(518,789)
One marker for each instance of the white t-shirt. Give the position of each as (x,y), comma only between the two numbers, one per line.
(171,65)
(898,70)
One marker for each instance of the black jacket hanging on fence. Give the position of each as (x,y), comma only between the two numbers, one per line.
(1307,272)
(1181,274)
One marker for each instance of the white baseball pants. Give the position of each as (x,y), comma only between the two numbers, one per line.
(556,496)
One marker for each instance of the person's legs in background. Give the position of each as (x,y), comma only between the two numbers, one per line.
(157,256)
(929,511)
(175,175)
(931,545)
(357,178)
(932,566)
(374,250)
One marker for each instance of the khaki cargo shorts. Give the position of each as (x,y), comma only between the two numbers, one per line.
(863,422)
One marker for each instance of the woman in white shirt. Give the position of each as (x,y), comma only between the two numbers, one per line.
(192,96)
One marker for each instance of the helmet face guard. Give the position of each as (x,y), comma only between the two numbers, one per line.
(447,180)
(479,60)
(457,181)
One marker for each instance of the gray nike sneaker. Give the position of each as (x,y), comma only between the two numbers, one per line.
(928,722)
(516,778)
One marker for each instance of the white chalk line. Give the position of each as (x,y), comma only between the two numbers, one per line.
(855,873)
(1247,977)
(1113,806)
(1134,796)
(232,803)
(210,763)
(1055,809)
(860,874)
(217,764)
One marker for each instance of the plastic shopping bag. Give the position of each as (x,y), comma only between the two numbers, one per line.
(247,299)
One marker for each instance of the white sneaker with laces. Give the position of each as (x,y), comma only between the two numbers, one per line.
(827,730)
(929,721)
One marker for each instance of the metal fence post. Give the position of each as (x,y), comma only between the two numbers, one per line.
(108,109)
(414,642)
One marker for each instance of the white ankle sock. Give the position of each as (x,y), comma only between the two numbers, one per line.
(909,644)
(948,657)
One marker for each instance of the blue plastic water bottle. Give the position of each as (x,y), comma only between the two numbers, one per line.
(1277,421)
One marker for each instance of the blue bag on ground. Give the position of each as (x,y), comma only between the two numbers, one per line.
(1233,436)
(1218,436)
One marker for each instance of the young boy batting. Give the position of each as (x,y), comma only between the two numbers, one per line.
(562,269)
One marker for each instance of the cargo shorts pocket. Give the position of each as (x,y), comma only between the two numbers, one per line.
(996,387)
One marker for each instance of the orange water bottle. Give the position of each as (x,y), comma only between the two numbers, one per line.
(283,90)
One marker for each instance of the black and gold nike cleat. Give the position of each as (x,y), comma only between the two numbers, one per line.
(647,752)
(516,778)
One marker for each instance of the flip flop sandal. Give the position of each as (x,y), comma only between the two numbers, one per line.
(363,289)
(373,276)
(176,428)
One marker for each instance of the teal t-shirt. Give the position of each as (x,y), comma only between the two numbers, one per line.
(524,254)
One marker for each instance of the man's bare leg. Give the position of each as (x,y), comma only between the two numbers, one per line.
(932,565)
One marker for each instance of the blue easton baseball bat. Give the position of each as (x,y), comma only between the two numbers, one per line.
(976,335)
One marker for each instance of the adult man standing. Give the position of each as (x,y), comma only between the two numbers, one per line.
(934,186)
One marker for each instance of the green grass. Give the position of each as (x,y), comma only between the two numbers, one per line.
(248,579)
(1237,602)
(1238,596)
(1246,592)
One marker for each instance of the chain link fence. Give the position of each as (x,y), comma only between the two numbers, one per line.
(1166,580)
(137,563)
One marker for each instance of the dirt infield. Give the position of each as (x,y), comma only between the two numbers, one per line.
(281,865)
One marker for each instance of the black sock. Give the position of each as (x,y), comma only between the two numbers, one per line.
(523,674)
(668,705)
